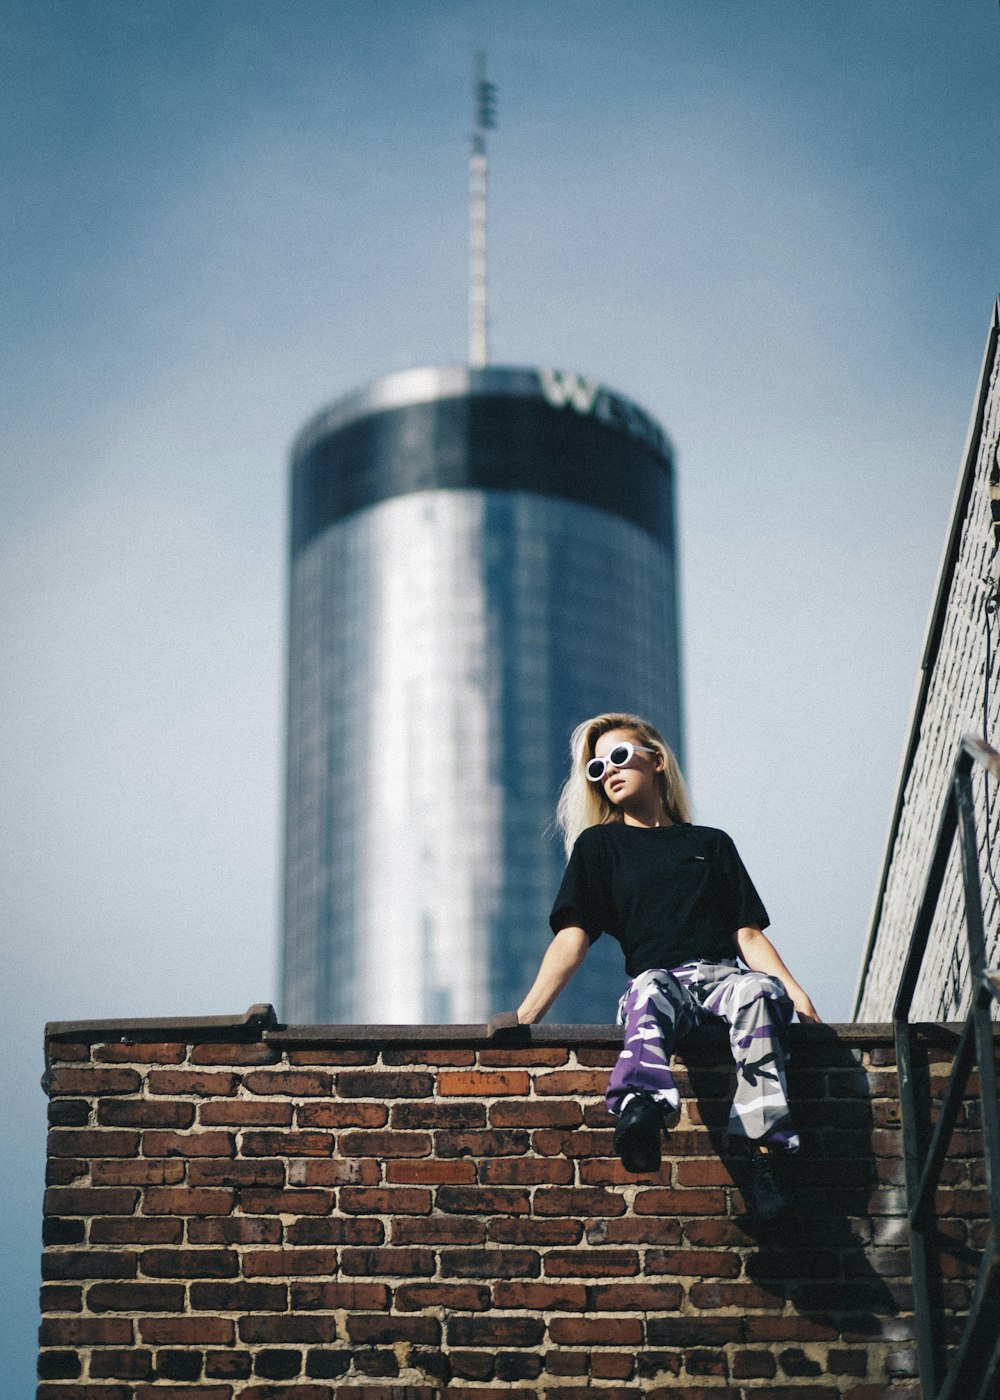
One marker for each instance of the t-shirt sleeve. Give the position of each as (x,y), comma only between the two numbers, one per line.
(582,901)
(743,905)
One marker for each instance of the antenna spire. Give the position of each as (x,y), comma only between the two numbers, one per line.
(485,119)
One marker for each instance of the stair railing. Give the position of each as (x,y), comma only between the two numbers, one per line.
(975,1365)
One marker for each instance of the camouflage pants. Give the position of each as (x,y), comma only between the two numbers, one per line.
(660,1007)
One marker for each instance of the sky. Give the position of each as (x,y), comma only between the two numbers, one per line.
(773,226)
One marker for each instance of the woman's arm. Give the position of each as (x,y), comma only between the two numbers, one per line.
(760,955)
(562,957)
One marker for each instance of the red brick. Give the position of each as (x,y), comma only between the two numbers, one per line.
(490,1263)
(91,1142)
(714,1232)
(65,1264)
(180,1200)
(541,1297)
(61,1391)
(331,1055)
(186,1392)
(431,1172)
(221,1171)
(61,1297)
(94,1081)
(597,1331)
(288,1263)
(554,1142)
(284,1328)
(592,1263)
(635,1297)
(63,1171)
(608,1171)
(361,1263)
(370,1329)
(144,1113)
(531,1057)
(342,1115)
(187,1331)
(702,1172)
(125,1229)
(399,1084)
(782,1329)
(572,1081)
(233,1054)
(695,1331)
(475,1200)
(147,1054)
(201,1082)
(85,1200)
(299,1084)
(611,1365)
(475,1084)
(494,1143)
(495,1331)
(601,1057)
(305,1202)
(245,1113)
(131,1365)
(85,1331)
(749,1365)
(525,1171)
(386,1144)
(356,1230)
(731,1295)
(461,1297)
(453,1229)
(456,1115)
(697,1263)
(645,1229)
(66,1051)
(399,1200)
(328,1297)
(436,1056)
(211,1144)
(285,1144)
(689,1202)
(190,1263)
(578,1201)
(239,1297)
(330,1171)
(139,1173)
(235,1229)
(540,1232)
(135,1297)
(518,1113)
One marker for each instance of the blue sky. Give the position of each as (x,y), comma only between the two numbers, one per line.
(774,226)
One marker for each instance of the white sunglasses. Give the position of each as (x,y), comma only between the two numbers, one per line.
(619,757)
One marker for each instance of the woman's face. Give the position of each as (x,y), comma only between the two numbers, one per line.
(634,779)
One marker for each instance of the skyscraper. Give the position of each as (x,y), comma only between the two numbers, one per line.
(480,558)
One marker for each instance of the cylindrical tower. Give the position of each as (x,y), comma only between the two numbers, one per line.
(480,558)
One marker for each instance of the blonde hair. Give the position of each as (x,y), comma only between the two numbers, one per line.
(583,803)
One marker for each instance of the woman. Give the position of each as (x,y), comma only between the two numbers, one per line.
(678,899)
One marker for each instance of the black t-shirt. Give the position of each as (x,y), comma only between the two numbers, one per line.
(669,894)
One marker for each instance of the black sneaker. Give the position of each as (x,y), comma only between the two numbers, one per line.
(637,1136)
(763,1192)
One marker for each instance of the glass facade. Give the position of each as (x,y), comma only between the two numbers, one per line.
(476,567)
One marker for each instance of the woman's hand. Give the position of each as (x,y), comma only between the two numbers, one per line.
(760,955)
(562,957)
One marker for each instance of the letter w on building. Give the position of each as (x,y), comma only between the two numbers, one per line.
(568,389)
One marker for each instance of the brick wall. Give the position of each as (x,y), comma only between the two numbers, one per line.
(949,703)
(414,1211)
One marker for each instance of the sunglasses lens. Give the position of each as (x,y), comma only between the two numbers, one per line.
(595,769)
(620,754)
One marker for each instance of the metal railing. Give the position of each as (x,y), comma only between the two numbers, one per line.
(973,1372)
